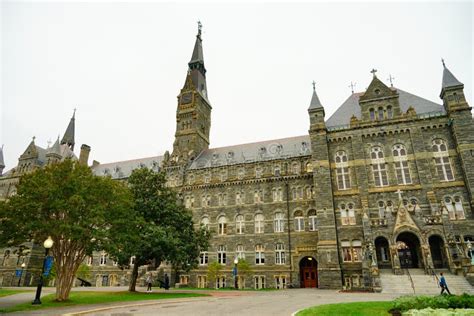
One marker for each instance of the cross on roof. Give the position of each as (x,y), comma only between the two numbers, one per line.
(199,27)
(390,78)
(442,60)
(373,71)
(399,192)
(352,85)
(314,85)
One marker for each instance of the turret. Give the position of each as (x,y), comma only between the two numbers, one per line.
(54,153)
(452,91)
(316,111)
(68,137)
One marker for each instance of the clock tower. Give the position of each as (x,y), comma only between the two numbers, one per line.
(193,116)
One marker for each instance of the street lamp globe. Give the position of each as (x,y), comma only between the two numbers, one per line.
(48,243)
(236,260)
(23,265)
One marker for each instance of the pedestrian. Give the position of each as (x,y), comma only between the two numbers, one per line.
(149,280)
(167,282)
(443,284)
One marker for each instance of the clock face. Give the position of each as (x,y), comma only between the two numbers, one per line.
(186,98)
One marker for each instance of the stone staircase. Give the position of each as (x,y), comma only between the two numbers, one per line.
(423,284)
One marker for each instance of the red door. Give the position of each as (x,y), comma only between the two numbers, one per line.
(308,272)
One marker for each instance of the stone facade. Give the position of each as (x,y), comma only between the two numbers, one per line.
(385,183)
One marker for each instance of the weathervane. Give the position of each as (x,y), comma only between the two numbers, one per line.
(373,71)
(199,28)
(352,85)
(442,60)
(390,78)
(314,85)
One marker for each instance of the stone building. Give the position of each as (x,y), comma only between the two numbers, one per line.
(386,182)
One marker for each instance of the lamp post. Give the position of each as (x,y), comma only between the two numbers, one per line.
(236,282)
(22,268)
(48,243)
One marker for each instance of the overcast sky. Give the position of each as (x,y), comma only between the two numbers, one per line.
(123,64)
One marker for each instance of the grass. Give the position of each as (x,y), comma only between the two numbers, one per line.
(349,309)
(6,292)
(87,298)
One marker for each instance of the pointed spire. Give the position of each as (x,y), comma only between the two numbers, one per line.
(2,161)
(68,137)
(315,103)
(448,78)
(56,149)
(198,57)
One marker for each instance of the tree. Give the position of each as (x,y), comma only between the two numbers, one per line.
(83,272)
(73,206)
(163,229)
(244,269)
(213,271)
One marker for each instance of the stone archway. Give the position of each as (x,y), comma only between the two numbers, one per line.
(382,251)
(308,272)
(409,250)
(438,252)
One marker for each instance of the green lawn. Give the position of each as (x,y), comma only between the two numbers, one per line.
(86,298)
(6,292)
(349,309)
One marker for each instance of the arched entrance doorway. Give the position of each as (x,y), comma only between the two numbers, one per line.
(409,253)
(383,252)
(438,254)
(308,272)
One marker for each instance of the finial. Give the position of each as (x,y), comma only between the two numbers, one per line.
(199,28)
(49,142)
(390,78)
(34,137)
(352,85)
(373,71)
(74,113)
(314,85)
(442,60)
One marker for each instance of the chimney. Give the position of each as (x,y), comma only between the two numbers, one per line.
(95,163)
(84,155)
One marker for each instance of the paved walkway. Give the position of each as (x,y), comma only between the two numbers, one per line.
(260,303)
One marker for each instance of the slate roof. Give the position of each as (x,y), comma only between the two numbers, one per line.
(315,103)
(68,137)
(351,107)
(123,169)
(449,80)
(253,152)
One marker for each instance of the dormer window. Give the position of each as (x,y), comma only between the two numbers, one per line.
(377,91)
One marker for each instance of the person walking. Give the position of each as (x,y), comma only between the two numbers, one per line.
(443,284)
(149,280)
(167,282)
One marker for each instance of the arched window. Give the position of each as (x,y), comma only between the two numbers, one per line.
(277,170)
(372,114)
(309,167)
(295,167)
(312,220)
(258,196)
(222,225)
(441,160)
(205,222)
(280,257)
(342,171)
(239,198)
(259,223)
(381,209)
(239,224)
(389,112)
(240,252)
(299,221)
(378,167)
(401,164)
(459,208)
(221,254)
(277,194)
(347,214)
(279,223)
(259,254)
(380,112)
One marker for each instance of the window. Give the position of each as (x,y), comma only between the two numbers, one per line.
(184,279)
(205,222)
(239,198)
(378,167)
(202,281)
(259,223)
(221,255)
(380,112)
(351,251)
(222,225)
(277,194)
(220,282)
(240,252)
(295,167)
(206,201)
(90,259)
(299,221)
(381,209)
(297,193)
(280,257)
(280,282)
(372,114)
(277,170)
(239,224)
(103,259)
(259,282)
(241,173)
(454,207)
(441,159)
(389,112)
(309,167)
(189,201)
(203,258)
(347,214)
(207,177)
(459,208)
(258,196)
(342,171)
(312,220)
(279,223)
(258,172)
(222,199)
(190,179)
(259,254)
(401,164)
(223,175)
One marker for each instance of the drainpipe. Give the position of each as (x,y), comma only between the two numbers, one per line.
(289,230)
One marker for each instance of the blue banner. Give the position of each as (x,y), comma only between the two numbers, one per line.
(234,271)
(18,272)
(48,264)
